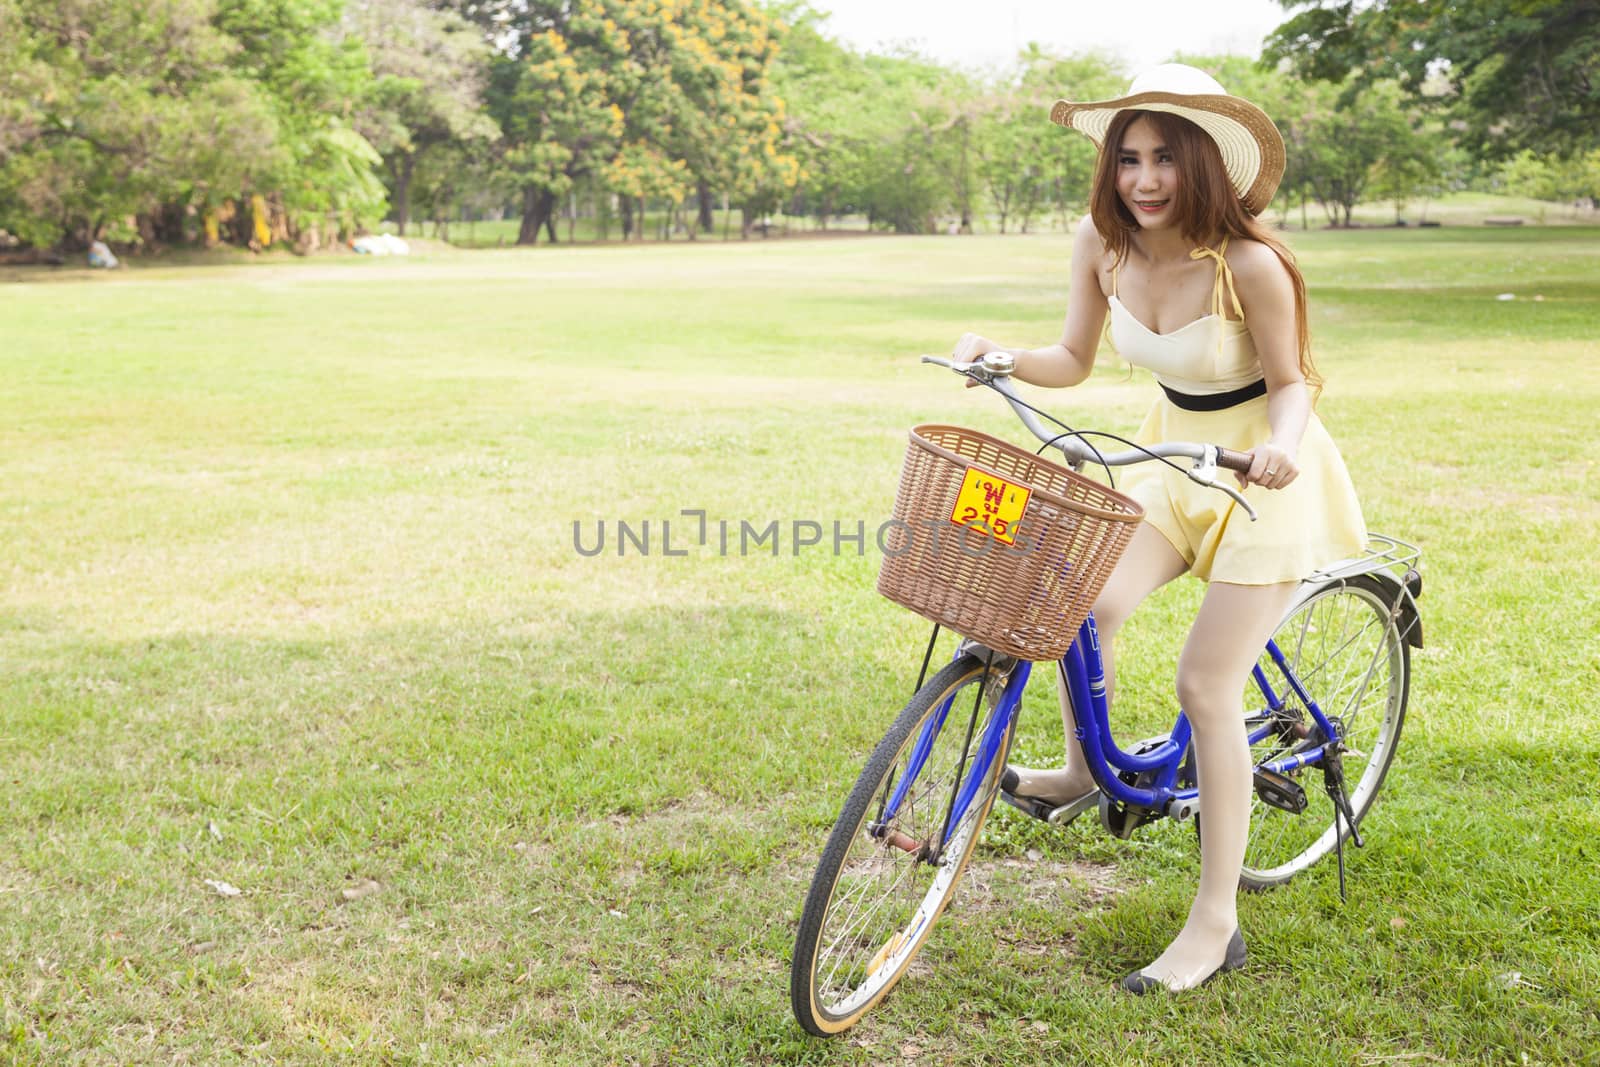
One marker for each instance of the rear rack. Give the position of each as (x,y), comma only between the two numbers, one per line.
(1384,553)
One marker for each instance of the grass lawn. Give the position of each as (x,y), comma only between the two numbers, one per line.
(319,741)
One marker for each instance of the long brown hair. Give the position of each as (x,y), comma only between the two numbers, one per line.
(1207,207)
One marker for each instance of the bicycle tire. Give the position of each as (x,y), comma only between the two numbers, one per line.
(853,946)
(1344,643)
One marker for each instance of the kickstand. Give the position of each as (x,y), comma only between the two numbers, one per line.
(1333,781)
(1338,848)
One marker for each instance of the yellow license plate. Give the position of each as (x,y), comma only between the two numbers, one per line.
(989,503)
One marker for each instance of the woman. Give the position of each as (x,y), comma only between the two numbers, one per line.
(1200,293)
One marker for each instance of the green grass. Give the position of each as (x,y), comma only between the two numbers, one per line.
(291,603)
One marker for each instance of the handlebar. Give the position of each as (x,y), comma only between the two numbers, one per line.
(994,370)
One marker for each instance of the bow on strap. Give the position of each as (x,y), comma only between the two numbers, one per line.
(1224,280)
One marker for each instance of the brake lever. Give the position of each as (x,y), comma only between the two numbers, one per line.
(1204,472)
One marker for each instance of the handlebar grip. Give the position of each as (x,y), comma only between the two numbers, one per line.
(1228,459)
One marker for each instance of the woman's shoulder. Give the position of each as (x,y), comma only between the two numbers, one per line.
(1088,238)
(1088,246)
(1255,264)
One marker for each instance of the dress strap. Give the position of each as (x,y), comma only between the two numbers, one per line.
(1224,279)
(1114,268)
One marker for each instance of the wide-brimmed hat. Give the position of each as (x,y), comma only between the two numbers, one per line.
(1252,147)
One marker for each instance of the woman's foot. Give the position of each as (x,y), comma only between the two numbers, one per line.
(1187,964)
(1055,787)
(1052,795)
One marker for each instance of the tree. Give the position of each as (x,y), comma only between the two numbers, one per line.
(322,173)
(1010,151)
(554,102)
(1542,178)
(115,109)
(430,69)
(722,115)
(824,85)
(1341,142)
(645,94)
(1515,74)
(1066,159)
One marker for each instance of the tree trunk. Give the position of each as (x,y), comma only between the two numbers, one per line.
(706,220)
(239,223)
(538,213)
(405,165)
(626,204)
(528,232)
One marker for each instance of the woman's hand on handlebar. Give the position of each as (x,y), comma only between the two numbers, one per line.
(970,348)
(1270,465)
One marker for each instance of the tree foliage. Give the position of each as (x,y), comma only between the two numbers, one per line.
(1515,74)
(429,72)
(267,121)
(648,99)
(162,111)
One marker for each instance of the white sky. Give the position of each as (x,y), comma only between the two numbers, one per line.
(967,34)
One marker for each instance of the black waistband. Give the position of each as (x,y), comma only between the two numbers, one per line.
(1216,401)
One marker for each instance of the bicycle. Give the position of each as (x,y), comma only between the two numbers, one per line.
(1328,693)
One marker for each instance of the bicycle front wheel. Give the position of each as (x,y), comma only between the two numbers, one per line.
(883,880)
(1344,645)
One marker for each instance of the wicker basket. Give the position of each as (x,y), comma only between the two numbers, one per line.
(1022,574)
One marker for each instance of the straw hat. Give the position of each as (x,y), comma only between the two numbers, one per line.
(1252,148)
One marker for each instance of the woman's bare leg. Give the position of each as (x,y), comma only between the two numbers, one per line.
(1149,563)
(1228,635)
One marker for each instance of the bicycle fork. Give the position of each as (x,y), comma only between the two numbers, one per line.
(969,777)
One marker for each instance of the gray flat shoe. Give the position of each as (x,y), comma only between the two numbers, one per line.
(1138,983)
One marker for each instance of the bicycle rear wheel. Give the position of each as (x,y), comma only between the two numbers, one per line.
(877,892)
(1344,645)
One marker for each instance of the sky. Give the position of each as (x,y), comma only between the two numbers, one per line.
(967,34)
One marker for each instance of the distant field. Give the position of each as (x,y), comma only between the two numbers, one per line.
(321,742)
(1455,209)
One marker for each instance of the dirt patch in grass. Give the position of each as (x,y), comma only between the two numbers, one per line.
(992,885)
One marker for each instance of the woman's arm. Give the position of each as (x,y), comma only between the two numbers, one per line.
(1070,360)
(1265,291)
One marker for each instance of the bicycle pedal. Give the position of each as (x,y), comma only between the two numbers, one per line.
(1026,805)
(1280,791)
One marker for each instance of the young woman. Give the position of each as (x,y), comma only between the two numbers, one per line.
(1202,295)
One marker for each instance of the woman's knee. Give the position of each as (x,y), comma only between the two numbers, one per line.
(1205,693)
(1112,608)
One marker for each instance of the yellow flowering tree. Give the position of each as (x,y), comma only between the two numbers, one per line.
(644,100)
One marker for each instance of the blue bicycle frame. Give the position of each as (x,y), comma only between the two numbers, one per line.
(1084,674)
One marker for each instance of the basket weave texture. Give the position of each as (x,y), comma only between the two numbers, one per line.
(1027,599)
